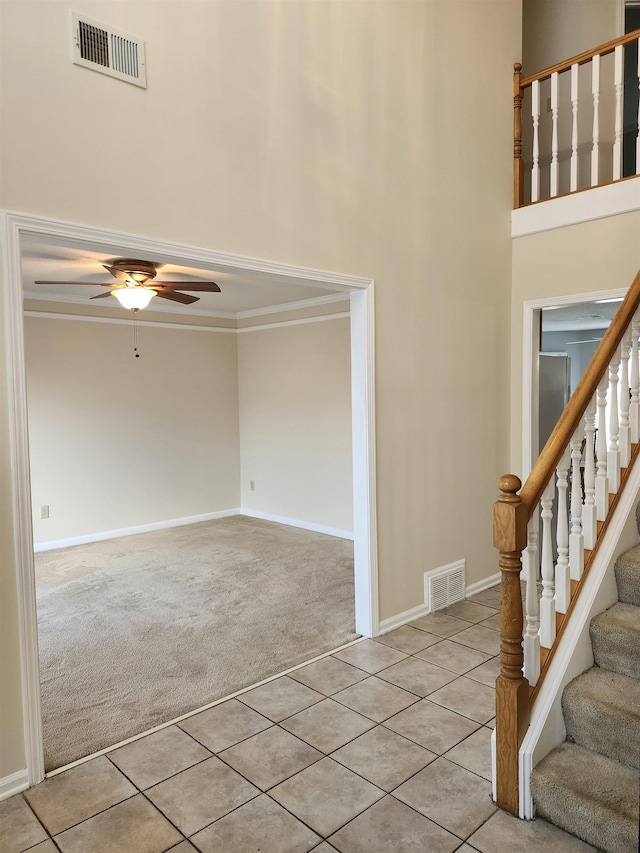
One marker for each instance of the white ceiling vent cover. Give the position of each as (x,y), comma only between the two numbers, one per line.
(444,586)
(108,51)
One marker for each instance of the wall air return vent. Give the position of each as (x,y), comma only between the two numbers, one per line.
(109,51)
(444,586)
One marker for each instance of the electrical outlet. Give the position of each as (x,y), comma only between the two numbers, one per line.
(252,485)
(44,512)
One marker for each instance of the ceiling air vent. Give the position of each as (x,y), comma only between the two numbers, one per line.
(109,51)
(444,586)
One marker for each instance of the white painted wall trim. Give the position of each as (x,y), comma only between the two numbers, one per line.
(530,352)
(21,484)
(581,206)
(301,322)
(123,321)
(414,613)
(363,420)
(12,227)
(14,784)
(404,618)
(153,324)
(132,531)
(296,522)
(480,586)
(292,306)
(552,685)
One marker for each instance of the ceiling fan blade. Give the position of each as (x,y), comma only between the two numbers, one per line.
(174,296)
(89,283)
(119,274)
(207,286)
(102,295)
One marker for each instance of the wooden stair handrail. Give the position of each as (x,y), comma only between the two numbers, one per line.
(580,58)
(548,460)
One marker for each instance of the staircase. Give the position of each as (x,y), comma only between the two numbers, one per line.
(590,784)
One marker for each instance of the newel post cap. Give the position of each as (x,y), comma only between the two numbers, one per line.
(509,516)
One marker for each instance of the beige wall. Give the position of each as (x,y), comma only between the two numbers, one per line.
(366,138)
(295,422)
(593,256)
(555,30)
(118,441)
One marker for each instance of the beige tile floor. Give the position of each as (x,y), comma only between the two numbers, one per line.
(382,747)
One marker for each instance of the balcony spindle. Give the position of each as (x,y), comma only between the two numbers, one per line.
(589,516)
(531,642)
(562,577)
(576,538)
(625,430)
(602,483)
(634,404)
(613,454)
(554,175)
(575,69)
(547,602)
(618,81)
(595,91)
(535,115)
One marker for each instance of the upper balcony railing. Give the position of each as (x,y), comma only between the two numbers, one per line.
(567,146)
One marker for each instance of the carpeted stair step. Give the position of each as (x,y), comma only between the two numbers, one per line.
(615,637)
(590,796)
(628,576)
(602,712)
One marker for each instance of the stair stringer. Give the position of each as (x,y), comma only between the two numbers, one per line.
(574,654)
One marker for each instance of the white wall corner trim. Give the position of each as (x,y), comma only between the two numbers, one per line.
(296,522)
(13,226)
(293,306)
(583,206)
(123,321)
(132,531)
(14,784)
(301,322)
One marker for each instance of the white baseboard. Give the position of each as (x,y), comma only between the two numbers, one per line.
(295,522)
(401,619)
(130,531)
(485,583)
(14,784)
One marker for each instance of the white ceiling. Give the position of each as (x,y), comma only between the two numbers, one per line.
(579,316)
(241,290)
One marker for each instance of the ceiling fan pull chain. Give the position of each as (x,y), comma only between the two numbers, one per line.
(135,333)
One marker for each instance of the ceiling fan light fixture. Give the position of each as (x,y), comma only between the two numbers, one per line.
(134,298)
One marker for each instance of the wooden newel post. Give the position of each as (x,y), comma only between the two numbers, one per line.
(512,688)
(518,166)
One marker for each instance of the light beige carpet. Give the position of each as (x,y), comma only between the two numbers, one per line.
(138,630)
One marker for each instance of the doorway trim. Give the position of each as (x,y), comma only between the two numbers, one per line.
(12,227)
(530,352)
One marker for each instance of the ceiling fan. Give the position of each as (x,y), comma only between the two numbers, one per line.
(136,286)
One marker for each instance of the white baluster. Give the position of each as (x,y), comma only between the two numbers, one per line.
(613,455)
(602,483)
(563,585)
(531,641)
(618,83)
(575,68)
(595,91)
(547,603)
(638,136)
(576,539)
(589,517)
(553,189)
(535,115)
(625,431)
(634,405)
